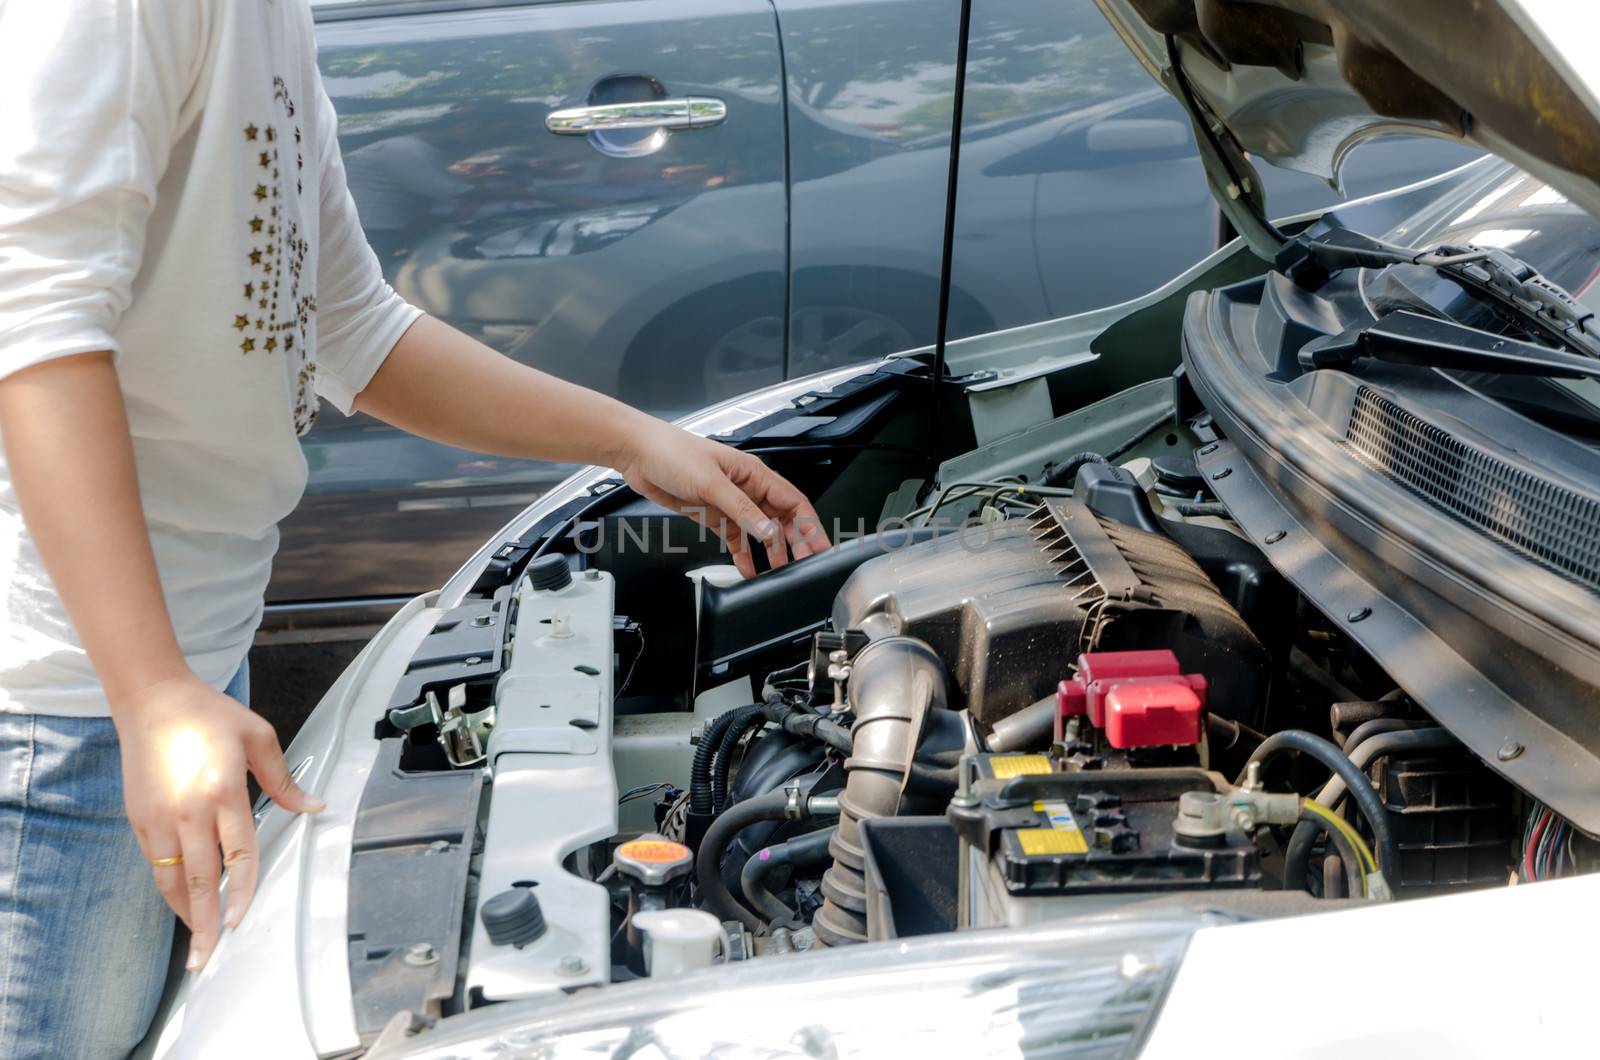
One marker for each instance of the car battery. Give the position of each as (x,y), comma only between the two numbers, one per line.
(1040,843)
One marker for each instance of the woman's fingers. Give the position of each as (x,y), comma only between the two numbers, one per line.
(197,833)
(236,829)
(169,878)
(264,758)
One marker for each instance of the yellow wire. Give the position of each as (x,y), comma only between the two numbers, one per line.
(1369,864)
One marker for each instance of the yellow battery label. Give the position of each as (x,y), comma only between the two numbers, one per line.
(1062,837)
(1019,765)
(1051,841)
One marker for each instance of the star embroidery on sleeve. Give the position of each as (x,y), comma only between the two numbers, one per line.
(264,159)
(272,344)
(247,345)
(250,132)
(249,290)
(288,342)
(255,224)
(261,192)
(272,134)
(262,304)
(260,323)
(255,257)
(241,322)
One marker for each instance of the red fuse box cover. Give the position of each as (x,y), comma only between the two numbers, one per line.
(1154,711)
(1138,698)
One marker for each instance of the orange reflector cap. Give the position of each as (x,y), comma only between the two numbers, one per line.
(653,851)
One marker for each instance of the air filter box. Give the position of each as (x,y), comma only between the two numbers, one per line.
(1010,606)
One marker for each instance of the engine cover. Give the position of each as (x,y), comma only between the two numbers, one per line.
(1009,606)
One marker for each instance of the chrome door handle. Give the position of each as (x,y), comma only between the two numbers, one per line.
(691,112)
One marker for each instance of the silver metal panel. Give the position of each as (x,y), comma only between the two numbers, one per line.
(553,789)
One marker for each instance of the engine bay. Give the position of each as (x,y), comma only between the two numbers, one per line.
(1052,677)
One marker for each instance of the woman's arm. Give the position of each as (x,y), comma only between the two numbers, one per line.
(442,385)
(185,746)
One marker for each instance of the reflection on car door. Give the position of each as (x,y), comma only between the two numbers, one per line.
(595,256)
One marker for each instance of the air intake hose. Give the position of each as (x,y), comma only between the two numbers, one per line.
(896,685)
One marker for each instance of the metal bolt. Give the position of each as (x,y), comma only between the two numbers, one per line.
(473,660)
(1509,750)
(1224,473)
(1358,614)
(591,575)
(572,964)
(1276,536)
(1207,450)
(439,846)
(420,955)
(483,620)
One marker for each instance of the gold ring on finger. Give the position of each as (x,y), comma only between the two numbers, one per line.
(167,863)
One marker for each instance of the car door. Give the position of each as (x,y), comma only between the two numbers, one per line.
(598,256)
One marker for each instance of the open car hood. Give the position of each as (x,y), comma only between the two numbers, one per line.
(1299,82)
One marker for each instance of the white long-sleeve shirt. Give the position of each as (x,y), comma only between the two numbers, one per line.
(171,190)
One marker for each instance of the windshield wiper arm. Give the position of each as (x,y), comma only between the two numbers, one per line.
(1405,337)
(1505,277)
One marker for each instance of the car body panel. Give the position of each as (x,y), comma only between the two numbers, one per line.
(1300,82)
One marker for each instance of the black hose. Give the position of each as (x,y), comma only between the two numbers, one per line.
(1372,748)
(745,719)
(1064,473)
(1369,750)
(714,893)
(803,851)
(1298,740)
(700,769)
(809,726)
(1373,726)
(1232,732)
(1353,873)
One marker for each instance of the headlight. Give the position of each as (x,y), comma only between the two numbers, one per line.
(1088,990)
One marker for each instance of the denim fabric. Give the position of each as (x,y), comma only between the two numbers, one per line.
(84,935)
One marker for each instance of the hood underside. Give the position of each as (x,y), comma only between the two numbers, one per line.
(1299,82)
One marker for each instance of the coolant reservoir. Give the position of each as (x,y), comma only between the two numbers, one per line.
(679,940)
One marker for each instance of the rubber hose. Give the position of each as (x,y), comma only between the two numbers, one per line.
(1372,748)
(810,726)
(1372,727)
(1064,473)
(1362,755)
(745,718)
(1347,854)
(700,769)
(1298,740)
(1234,732)
(714,894)
(807,850)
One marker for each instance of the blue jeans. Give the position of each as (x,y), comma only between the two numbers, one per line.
(85,938)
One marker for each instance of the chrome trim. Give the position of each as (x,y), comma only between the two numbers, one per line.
(691,112)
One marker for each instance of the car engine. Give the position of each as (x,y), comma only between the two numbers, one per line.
(1090,692)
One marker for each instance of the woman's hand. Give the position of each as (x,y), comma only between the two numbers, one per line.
(730,493)
(185,750)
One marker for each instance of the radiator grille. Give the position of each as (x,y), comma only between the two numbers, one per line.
(1552,524)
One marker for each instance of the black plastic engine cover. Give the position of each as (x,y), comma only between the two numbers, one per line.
(1010,606)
